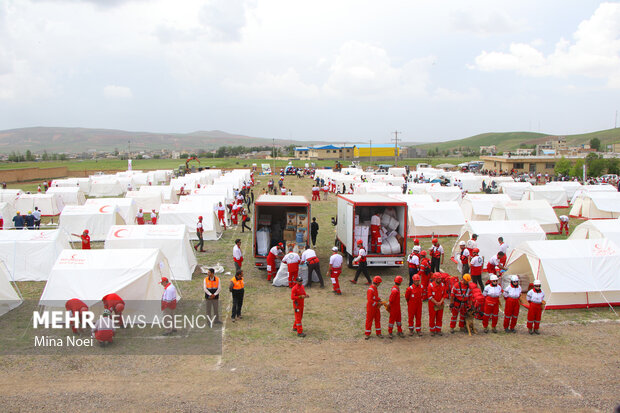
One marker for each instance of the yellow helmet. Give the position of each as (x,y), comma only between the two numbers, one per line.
(467,277)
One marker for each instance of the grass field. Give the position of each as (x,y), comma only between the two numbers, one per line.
(265,367)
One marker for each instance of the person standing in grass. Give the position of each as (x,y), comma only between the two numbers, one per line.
(236,287)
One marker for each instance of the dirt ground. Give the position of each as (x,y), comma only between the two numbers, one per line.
(573,365)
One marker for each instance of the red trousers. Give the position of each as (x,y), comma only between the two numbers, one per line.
(425,280)
(233,217)
(271,267)
(395,317)
(140,220)
(373,313)
(414,309)
(563,225)
(458,313)
(222,218)
(299,314)
(334,276)
(293,273)
(533,316)
(434,317)
(491,309)
(315,196)
(511,313)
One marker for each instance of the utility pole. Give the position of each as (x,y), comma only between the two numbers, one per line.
(395,140)
(616,120)
(273,154)
(371,152)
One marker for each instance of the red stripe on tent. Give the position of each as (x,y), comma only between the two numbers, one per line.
(571,306)
(432,236)
(559,207)
(554,233)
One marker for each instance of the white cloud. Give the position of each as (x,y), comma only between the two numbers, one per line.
(224,19)
(274,86)
(117,92)
(594,52)
(448,95)
(494,22)
(362,69)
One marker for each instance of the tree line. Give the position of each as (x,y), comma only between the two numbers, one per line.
(595,166)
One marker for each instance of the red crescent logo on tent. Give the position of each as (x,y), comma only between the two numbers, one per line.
(102,209)
(117,233)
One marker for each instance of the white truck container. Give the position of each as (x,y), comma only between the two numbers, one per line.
(354,213)
(273,223)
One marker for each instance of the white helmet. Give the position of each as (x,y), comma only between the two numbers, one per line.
(493,277)
(537,282)
(462,244)
(417,248)
(514,279)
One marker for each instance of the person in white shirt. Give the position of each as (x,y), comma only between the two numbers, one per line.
(413,262)
(360,260)
(536,299)
(168,305)
(103,331)
(309,257)
(503,248)
(563,223)
(237,255)
(495,263)
(472,243)
(463,257)
(37,218)
(512,294)
(292,261)
(335,269)
(491,295)
(375,232)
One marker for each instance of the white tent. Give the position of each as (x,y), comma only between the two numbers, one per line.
(597,205)
(105,186)
(554,194)
(513,232)
(477,207)
(470,182)
(172,240)
(30,254)
(187,214)
(539,211)
(7,212)
(126,207)
(82,183)
(596,229)
(69,195)
(9,299)
(445,193)
(397,171)
(96,219)
(573,273)
(412,198)
(434,218)
(49,205)
(377,188)
(89,275)
(514,190)
(587,189)
(569,186)
(169,195)
(146,200)
(10,195)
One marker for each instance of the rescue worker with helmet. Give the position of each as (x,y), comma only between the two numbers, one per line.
(436,252)
(536,299)
(511,306)
(298,295)
(413,262)
(491,303)
(463,257)
(394,307)
(373,307)
(414,296)
(424,272)
(460,301)
(476,263)
(436,301)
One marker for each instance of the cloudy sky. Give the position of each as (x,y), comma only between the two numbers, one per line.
(321,69)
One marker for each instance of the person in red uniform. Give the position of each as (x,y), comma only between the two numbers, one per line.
(536,299)
(395,314)
(335,269)
(375,233)
(116,305)
(292,261)
(103,331)
(413,262)
(77,307)
(153,217)
(275,252)
(413,296)
(512,294)
(373,307)
(494,265)
(437,255)
(475,266)
(234,212)
(221,214)
(140,217)
(424,271)
(491,303)
(85,239)
(436,301)
(460,301)
(315,193)
(298,295)
(199,232)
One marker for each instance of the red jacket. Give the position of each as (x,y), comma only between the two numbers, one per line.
(296,292)
(436,291)
(372,297)
(111,300)
(414,293)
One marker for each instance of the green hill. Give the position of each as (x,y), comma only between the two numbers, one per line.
(511,140)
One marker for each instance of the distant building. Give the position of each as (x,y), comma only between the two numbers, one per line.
(415,153)
(523,152)
(615,147)
(488,150)
(523,164)
(375,151)
(325,152)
